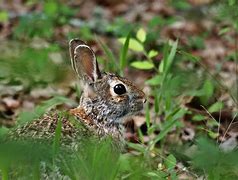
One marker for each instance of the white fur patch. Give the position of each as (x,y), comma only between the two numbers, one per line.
(113,83)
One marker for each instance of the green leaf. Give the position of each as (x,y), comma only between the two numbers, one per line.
(198,117)
(170,162)
(231,2)
(161,67)
(138,147)
(167,61)
(155,81)
(208,90)
(133,45)
(141,35)
(224,30)
(213,135)
(51,8)
(146,65)
(124,51)
(216,107)
(3,16)
(152,53)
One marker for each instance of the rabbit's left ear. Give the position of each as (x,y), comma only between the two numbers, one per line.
(83,60)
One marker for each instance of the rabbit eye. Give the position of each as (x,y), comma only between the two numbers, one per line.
(119,89)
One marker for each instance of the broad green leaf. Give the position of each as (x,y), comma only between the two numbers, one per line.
(170,162)
(146,65)
(141,35)
(156,80)
(152,53)
(208,89)
(216,107)
(3,16)
(133,45)
(213,135)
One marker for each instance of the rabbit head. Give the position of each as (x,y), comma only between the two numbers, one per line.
(106,97)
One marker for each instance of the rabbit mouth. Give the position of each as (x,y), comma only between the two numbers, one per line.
(136,108)
(130,111)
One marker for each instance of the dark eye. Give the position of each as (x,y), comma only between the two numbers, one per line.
(119,89)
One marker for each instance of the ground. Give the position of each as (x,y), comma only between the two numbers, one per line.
(182,54)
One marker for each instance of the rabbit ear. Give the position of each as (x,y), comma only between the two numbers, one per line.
(83,60)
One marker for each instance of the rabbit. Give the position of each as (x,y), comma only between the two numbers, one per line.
(107,99)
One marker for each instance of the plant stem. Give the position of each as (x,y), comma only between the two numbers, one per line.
(236,65)
(5,173)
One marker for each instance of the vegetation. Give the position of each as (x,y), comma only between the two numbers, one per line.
(184,57)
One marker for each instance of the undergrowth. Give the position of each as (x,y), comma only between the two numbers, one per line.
(170,83)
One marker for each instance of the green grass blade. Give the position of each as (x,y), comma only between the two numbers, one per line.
(36,171)
(147,115)
(169,61)
(123,53)
(112,62)
(166,129)
(156,102)
(25,116)
(56,142)
(4,173)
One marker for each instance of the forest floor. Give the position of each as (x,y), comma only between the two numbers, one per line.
(183,54)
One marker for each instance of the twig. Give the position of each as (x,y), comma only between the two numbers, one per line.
(223,137)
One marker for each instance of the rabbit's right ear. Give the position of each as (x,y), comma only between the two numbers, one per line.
(83,60)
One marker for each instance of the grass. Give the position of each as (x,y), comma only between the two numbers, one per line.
(170,83)
(30,67)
